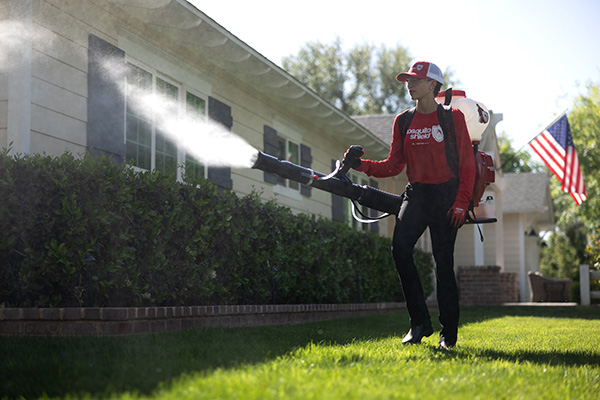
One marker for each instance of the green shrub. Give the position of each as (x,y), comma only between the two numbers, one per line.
(160,242)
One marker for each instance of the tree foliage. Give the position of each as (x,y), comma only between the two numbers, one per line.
(565,252)
(361,80)
(575,240)
(515,161)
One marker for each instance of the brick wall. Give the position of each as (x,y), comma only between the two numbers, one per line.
(485,285)
(508,287)
(122,321)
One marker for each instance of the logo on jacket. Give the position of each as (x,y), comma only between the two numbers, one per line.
(437,133)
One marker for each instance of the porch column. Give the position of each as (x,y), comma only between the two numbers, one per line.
(522,269)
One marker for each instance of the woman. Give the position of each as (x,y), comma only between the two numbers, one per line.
(437,197)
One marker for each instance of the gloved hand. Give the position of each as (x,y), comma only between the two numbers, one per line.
(352,156)
(457,213)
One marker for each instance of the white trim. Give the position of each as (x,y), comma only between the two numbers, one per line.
(522,267)
(19,77)
(499,229)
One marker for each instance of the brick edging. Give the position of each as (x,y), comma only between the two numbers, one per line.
(140,320)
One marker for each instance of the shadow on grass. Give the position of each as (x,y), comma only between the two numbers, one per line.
(107,366)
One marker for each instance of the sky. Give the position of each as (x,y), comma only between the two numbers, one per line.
(525,59)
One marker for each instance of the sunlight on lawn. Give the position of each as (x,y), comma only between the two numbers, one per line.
(507,357)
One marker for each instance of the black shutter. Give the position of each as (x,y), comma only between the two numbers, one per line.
(270,145)
(305,161)
(221,113)
(337,202)
(373,213)
(106,101)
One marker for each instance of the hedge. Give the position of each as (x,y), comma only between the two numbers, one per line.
(89,232)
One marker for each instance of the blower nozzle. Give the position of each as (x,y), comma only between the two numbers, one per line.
(366,195)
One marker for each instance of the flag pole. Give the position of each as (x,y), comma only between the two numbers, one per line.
(528,143)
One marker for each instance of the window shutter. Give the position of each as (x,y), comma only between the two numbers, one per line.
(305,161)
(270,146)
(221,113)
(106,102)
(337,202)
(373,213)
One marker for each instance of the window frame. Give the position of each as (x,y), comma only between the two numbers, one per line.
(188,79)
(182,109)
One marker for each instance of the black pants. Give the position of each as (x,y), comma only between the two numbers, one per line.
(426,206)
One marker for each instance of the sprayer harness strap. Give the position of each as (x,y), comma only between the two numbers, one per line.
(446,122)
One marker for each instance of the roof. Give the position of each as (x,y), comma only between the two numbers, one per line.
(528,193)
(380,125)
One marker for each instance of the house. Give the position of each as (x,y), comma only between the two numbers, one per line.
(71,69)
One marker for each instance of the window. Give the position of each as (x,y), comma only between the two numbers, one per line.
(290,151)
(148,146)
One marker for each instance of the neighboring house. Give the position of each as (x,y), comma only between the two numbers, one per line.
(522,203)
(57,94)
(527,212)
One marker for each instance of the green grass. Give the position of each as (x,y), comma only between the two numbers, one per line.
(503,353)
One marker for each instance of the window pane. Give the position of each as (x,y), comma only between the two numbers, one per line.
(293,156)
(166,151)
(195,108)
(138,134)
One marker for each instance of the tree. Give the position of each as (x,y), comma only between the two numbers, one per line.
(515,161)
(585,128)
(359,81)
(577,225)
(564,252)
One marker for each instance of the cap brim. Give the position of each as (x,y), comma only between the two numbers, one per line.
(403,77)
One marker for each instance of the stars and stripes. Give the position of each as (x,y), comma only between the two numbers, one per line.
(555,147)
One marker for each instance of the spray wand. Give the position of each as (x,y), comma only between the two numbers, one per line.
(337,182)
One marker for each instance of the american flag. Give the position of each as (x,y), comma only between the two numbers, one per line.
(555,147)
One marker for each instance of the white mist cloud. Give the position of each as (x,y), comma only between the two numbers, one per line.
(205,140)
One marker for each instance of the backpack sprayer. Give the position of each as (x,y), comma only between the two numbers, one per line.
(337,182)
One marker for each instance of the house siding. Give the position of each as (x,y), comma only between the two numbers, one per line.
(4,14)
(59,92)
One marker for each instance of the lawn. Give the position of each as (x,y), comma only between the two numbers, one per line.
(503,353)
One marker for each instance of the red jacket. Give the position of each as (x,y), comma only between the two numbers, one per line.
(424,154)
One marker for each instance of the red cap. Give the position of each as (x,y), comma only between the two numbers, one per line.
(422,70)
